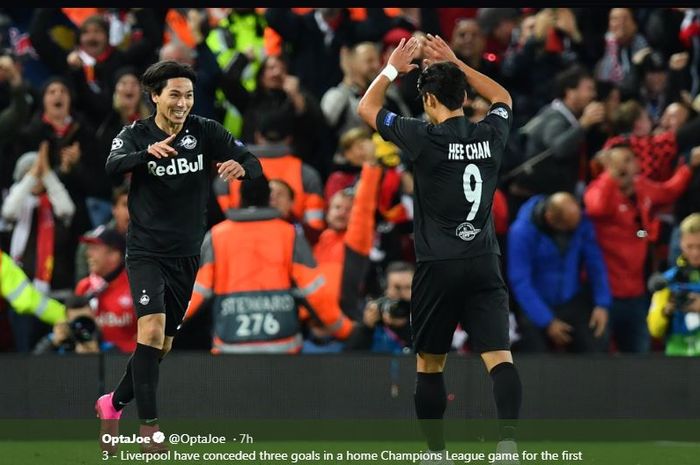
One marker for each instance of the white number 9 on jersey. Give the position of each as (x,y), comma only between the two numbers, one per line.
(472,195)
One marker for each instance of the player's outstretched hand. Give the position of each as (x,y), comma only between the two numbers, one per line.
(402,55)
(162,149)
(230,169)
(435,49)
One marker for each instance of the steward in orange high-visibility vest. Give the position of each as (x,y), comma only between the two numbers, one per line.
(273,149)
(258,268)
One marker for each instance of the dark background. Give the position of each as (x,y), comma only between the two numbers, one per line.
(355,386)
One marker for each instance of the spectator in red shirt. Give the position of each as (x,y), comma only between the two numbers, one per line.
(657,151)
(107,288)
(657,154)
(619,202)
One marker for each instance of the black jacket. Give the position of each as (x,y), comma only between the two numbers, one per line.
(315,62)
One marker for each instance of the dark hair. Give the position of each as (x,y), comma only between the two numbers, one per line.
(654,62)
(8,52)
(400,267)
(603,89)
(155,78)
(98,21)
(261,69)
(446,82)
(570,79)
(64,82)
(255,192)
(276,123)
(124,71)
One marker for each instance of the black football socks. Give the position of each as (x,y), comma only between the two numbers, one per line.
(124,392)
(431,400)
(507,393)
(144,366)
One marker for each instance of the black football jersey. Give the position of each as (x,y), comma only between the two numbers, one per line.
(455,169)
(168,196)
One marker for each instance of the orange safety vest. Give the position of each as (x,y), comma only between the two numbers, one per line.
(308,206)
(253,266)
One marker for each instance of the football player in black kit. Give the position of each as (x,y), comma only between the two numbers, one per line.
(169,156)
(458,277)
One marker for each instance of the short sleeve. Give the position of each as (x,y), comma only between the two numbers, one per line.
(500,119)
(409,134)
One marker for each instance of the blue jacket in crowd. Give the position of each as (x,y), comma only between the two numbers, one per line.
(541,276)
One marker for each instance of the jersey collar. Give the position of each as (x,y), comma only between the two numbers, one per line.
(151,123)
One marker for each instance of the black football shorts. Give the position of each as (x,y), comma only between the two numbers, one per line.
(162,285)
(467,291)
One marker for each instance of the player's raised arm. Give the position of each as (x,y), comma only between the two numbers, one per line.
(436,49)
(399,62)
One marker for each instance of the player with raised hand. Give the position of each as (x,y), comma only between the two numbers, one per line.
(458,277)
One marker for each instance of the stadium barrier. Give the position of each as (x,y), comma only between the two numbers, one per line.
(199,385)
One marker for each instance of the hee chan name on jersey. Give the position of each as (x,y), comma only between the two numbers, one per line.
(176,166)
(473,151)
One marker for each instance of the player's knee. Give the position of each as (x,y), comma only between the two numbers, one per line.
(151,337)
(496,357)
(430,363)
(151,331)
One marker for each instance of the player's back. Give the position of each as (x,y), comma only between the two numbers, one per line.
(456,166)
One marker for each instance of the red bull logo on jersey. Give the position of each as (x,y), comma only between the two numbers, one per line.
(176,166)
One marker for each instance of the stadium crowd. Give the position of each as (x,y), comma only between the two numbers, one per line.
(599,191)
